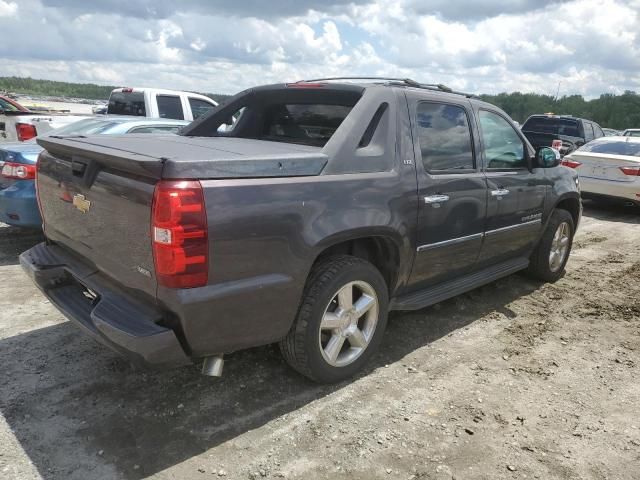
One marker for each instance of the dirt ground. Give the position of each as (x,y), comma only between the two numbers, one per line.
(514,380)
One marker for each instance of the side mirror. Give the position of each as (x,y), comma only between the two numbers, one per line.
(547,157)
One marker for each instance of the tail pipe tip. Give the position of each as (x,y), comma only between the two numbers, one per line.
(212,366)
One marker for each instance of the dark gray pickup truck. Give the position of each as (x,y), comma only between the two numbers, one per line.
(298,213)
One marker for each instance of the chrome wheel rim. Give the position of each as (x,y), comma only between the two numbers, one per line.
(348,323)
(559,247)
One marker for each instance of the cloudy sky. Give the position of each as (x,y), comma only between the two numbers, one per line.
(222,46)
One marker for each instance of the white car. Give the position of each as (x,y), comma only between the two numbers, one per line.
(608,167)
(631,132)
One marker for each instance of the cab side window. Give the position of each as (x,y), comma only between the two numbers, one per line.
(170,106)
(503,148)
(445,138)
(199,107)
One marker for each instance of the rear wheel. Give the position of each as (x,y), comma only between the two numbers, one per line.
(550,256)
(341,320)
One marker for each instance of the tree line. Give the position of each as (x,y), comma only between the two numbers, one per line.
(609,110)
(51,88)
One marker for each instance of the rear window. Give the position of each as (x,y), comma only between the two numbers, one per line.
(156,129)
(129,103)
(632,133)
(90,126)
(309,124)
(621,147)
(552,125)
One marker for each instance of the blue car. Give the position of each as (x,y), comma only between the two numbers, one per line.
(18,201)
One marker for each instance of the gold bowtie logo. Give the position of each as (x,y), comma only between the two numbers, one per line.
(81,203)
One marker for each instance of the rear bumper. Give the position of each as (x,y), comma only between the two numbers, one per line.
(113,317)
(623,190)
(19,205)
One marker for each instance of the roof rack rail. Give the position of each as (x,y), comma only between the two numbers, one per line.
(438,87)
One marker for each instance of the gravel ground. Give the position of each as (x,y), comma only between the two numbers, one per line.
(514,380)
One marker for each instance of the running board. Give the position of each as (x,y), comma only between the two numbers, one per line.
(452,288)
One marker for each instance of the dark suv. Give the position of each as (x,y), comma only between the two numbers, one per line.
(573,132)
(321,207)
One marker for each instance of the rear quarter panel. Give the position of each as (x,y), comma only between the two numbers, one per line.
(264,236)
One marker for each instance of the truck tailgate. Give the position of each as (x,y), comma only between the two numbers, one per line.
(96,192)
(97,203)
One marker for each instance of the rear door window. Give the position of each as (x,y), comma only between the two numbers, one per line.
(127,103)
(170,106)
(199,107)
(503,147)
(445,137)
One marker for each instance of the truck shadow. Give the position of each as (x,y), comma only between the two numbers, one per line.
(14,241)
(79,411)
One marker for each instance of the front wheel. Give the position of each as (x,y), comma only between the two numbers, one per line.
(550,256)
(341,320)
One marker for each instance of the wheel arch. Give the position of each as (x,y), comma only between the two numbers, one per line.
(572,204)
(379,247)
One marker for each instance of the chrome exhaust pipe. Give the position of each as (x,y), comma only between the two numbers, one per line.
(212,366)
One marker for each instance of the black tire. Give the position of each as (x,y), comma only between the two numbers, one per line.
(539,266)
(301,347)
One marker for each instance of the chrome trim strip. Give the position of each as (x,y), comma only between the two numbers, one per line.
(514,227)
(453,241)
(475,236)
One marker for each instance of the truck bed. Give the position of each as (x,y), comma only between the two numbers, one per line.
(194,157)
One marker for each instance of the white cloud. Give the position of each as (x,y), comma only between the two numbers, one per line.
(8,9)
(590,46)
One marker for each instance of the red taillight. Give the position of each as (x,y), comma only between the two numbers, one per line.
(632,171)
(25,131)
(19,171)
(567,162)
(127,90)
(179,234)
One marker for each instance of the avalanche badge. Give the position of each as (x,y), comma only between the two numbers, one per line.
(81,203)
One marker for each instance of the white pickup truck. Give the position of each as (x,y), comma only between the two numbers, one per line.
(19,124)
(152,102)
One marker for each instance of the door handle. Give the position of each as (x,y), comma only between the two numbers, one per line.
(436,199)
(501,192)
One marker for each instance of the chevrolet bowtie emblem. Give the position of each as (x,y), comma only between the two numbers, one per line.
(81,203)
